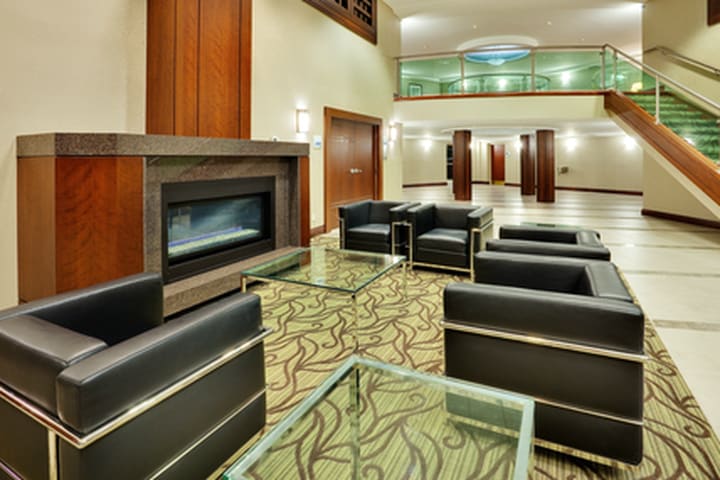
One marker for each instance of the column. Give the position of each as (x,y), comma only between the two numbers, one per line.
(527,165)
(462,184)
(545,165)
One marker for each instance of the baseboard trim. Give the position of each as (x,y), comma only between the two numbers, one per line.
(680,218)
(587,189)
(601,190)
(314,232)
(480,182)
(429,184)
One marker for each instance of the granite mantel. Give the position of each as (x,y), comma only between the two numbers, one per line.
(138,145)
(89,205)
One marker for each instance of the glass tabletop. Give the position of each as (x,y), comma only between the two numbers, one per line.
(374,420)
(343,270)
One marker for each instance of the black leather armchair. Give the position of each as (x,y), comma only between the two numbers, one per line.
(373,225)
(562,330)
(564,242)
(96,384)
(447,235)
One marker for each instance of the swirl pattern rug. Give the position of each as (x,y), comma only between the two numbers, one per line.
(313,335)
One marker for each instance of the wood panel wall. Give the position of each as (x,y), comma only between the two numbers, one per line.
(80,222)
(527,165)
(199,67)
(545,165)
(462,179)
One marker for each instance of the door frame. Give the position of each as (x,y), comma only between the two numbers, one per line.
(333,113)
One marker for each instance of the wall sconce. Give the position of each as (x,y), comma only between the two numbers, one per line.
(302,121)
(393,133)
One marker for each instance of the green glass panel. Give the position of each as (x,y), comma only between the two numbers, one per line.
(499,76)
(428,76)
(341,270)
(569,70)
(376,420)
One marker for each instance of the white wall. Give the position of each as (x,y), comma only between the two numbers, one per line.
(682,26)
(76,65)
(424,161)
(599,162)
(302,58)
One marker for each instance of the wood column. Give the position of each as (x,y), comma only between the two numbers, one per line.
(462,173)
(545,165)
(198,67)
(527,165)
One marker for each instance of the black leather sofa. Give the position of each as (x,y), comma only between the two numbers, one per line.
(446,236)
(562,330)
(96,384)
(564,242)
(368,226)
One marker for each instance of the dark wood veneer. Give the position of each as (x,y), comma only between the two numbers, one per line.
(462,188)
(345,16)
(545,165)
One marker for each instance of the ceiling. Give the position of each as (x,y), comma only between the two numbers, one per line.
(434,26)
(438,26)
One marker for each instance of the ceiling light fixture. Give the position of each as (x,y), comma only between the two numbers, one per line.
(497,55)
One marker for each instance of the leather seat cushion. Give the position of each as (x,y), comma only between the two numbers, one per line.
(373,232)
(448,239)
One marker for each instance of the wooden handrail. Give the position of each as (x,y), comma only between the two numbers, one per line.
(686,158)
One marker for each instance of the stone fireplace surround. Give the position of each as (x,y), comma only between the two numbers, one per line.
(172,159)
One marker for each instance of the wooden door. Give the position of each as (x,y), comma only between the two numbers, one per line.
(351,164)
(497,154)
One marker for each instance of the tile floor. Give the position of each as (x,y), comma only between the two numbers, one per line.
(673,268)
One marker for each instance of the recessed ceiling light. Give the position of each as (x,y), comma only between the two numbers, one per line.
(474,27)
(549,22)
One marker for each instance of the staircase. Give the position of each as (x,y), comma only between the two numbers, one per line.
(696,127)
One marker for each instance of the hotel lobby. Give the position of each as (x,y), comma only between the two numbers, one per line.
(181,295)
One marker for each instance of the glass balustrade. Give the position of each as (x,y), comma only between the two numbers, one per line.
(505,70)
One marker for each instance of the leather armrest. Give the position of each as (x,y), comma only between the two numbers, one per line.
(422,218)
(399,213)
(529,271)
(103,386)
(548,248)
(598,322)
(33,352)
(605,281)
(480,217)
(111,311)
(538,234)
(589,238)
(355,214)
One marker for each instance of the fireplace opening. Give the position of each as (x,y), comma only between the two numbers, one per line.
(209,224)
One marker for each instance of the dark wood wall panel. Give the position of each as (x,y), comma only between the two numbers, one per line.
(36,227)
(545,165)
(219,69)
(186,67)
(199,67)
(462,180)
(99,220)
(160,105)
(527,165)
(304,168)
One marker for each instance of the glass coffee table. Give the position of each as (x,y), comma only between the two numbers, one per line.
(374,420)
(342,271)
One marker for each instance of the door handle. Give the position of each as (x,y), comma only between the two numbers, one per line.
(355,170)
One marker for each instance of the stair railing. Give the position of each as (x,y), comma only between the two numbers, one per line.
(669,52)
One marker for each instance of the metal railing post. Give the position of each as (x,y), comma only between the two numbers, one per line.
(603,82)
(533,85)
(615,74)
(657,100)
(461,57)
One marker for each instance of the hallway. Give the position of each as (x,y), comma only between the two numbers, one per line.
(673,268)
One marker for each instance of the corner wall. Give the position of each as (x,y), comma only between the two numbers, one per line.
(682,26)
(303,59)
(67,67)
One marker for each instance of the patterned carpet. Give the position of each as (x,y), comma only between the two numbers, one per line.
(312,337)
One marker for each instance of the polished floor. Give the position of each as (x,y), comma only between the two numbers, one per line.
(673,268)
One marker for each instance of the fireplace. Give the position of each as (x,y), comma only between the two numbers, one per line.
(208,224)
